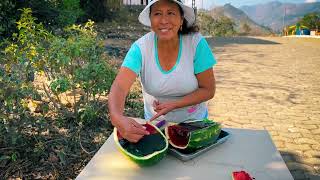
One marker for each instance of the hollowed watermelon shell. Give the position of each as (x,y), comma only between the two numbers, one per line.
(148,151)
(192,135)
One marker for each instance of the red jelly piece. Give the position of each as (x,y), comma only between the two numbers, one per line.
(150,128)
(241,175)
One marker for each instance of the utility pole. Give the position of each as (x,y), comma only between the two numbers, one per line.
(193,4)
(283,22)
(194,8)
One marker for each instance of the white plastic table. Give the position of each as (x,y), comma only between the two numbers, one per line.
(249,150)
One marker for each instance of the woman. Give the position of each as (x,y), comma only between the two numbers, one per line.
(174,64)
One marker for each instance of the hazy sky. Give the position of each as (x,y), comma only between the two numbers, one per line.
(238,3)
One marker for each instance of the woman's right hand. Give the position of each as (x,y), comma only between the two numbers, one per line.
(130,129)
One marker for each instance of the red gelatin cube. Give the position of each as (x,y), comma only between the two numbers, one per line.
(241,175)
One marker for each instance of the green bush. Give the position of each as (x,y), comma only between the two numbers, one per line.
(7,18)
(29,45)
(99,10)
(69,12)
(32,113)
(18,62)
(45,11)
(52,13)
(55,13)
(73,63)
(80,57)
(94,9)
(222,26)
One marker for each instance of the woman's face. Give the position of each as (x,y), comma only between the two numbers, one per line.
(165,19)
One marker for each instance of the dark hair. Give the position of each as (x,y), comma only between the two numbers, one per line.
(185,29)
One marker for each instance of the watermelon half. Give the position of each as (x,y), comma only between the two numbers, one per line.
(193,134)
(148,151)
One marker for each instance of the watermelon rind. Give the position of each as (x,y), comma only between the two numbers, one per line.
(147,160)
(199,138)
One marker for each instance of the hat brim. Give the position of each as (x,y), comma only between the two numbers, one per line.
(188,12)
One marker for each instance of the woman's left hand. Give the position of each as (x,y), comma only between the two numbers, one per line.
(164,108)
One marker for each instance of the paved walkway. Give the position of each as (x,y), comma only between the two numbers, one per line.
(273,84)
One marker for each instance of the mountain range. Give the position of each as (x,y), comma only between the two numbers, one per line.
(276,15)
(243,24)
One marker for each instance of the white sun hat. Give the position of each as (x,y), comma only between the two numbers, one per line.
(188,12)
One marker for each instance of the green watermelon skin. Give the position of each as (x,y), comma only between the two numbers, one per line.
(148,160)
(201,137)
(204,137)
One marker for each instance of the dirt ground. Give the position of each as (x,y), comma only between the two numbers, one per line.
(272,83)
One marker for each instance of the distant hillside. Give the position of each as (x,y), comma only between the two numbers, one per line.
(244,25)
(271,14)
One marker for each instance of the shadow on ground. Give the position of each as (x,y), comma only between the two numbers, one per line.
(298,170)
(223,41)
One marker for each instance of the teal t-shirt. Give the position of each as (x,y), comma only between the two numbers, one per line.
(203,59)
(195,56)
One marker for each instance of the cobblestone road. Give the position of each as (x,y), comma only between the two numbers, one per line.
(272,84)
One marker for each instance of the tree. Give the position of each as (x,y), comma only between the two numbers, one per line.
(222,26)
(246,28)
(311,20)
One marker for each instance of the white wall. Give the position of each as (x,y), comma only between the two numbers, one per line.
(133,2)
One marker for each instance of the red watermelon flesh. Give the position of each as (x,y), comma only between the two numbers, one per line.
(179,134)
(241,175)
(192,134)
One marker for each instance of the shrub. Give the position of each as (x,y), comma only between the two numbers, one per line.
(222,26)
(94,9)
(69,12)
(7,18)
(73,64)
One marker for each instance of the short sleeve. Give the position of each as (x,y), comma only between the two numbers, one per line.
(204,59)
(133,59)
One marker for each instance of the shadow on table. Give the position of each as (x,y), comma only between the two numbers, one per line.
(299,170)
(222,41)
